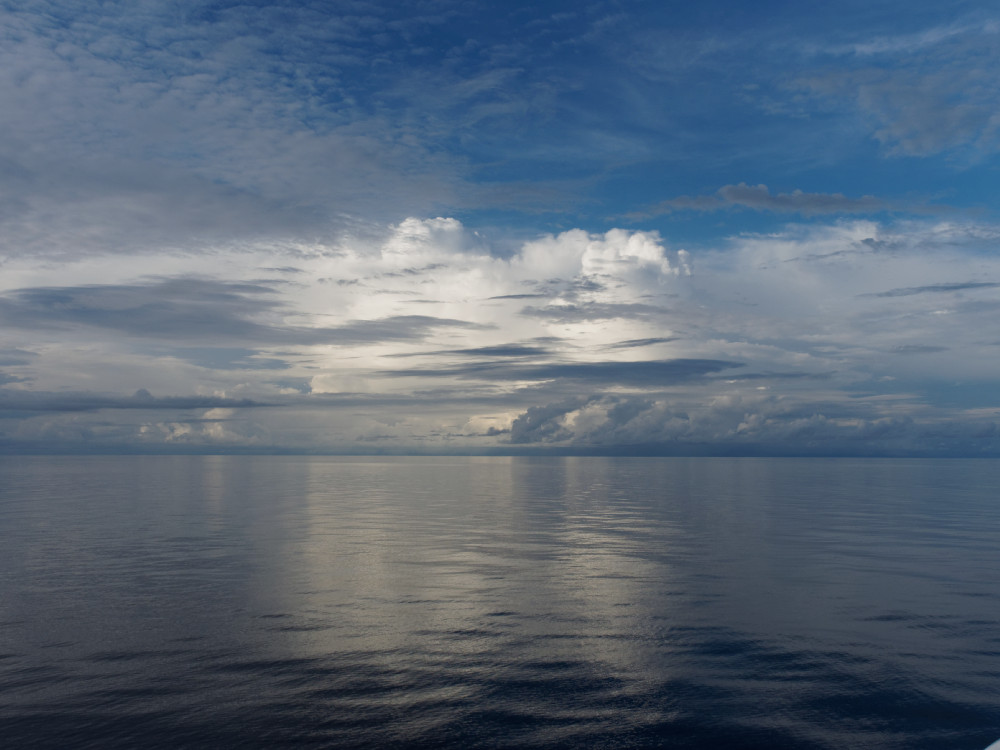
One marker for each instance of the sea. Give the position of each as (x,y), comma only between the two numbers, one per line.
(499,602)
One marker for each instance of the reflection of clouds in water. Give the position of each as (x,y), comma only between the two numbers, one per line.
(566,587)
(391,556)
(540,569)
(596,533)
(596,598)
(216,472)
(543,601)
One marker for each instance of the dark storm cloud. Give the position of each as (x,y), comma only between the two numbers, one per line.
(935,288)
(651,373)
(194,310)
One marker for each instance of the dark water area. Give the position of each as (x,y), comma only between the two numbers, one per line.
(278,602)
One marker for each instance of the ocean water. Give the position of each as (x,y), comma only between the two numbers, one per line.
(272,602)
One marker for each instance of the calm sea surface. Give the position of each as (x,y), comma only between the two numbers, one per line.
(252,602)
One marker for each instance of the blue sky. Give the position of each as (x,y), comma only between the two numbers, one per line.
(602,227)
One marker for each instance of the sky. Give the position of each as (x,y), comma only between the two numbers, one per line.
(608,227)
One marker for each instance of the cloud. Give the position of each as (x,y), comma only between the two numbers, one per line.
(511,350)
(923,113)
(637,343)
(937,289)
(541,424)
(130,129)
(568,313)
(537,295)
(40,401)
(657,373)
(134,129)
(140,130)
(256,204)
(192,310)
(774,341)
(924,93)
(759,198)
(220,329)
(9,357)
(502,350)
(917,349)
(224,358)
(741,426)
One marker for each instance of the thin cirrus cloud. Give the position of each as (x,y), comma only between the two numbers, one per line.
(759,198)
(377,227)
(959,286)
(928,92)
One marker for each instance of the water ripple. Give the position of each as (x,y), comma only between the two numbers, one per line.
(488,603)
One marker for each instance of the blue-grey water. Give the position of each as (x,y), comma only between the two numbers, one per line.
(252,602)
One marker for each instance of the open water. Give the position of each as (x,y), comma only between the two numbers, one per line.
(309,602)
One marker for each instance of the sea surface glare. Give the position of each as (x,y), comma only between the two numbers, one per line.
(310,602)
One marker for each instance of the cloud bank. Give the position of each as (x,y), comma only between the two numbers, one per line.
(430,339)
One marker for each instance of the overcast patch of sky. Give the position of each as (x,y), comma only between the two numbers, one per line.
(238,202)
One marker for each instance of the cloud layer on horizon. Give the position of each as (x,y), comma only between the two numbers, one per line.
(841,336)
